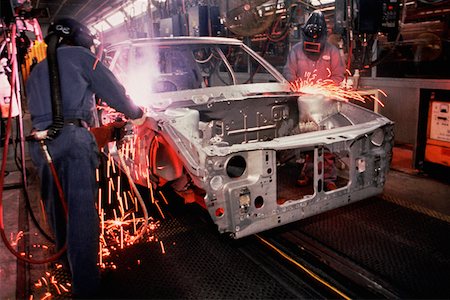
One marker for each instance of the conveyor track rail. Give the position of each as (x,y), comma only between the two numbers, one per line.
(373,246)
(334,272)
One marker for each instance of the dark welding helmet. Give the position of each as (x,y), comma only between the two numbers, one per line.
(71,32)
(314,35)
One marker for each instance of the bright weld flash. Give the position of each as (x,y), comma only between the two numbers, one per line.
(138,83)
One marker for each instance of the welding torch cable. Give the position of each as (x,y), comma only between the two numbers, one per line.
(138,195)
(287,29)
(2,225)
(21,163)
(2,174)
(303,268)
(55,176)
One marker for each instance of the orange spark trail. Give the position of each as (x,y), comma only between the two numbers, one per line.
(164,198)
(163,250)
(159,209)
(329,89)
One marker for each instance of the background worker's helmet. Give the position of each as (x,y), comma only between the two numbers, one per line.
(71,32)
(314,35)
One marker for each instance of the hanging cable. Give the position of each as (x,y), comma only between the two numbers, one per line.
(3,168)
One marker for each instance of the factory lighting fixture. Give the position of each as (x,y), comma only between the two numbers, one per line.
(101,26)
(118,17)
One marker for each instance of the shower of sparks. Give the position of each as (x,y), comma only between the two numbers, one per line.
(121,231)
(48,287)
(327,88)
(120,225)
(121,221)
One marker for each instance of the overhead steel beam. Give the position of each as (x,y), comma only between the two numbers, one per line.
(52,18)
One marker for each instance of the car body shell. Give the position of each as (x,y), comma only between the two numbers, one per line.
(239,146)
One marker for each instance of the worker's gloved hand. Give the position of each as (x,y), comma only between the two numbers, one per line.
(108,133)
(144,123)
(140,121)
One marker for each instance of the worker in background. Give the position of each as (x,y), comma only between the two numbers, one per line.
(74,149)
(314,58)
(314,54)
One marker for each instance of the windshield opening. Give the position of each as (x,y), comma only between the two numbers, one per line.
(152,68)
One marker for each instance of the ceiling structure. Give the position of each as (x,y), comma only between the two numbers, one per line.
(85,11)
(88,11)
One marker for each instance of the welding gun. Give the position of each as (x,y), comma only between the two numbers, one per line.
(114,131)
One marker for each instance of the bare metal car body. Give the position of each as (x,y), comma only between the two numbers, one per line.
(225,130)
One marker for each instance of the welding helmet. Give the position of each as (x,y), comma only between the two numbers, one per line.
(71,32)
(314,35)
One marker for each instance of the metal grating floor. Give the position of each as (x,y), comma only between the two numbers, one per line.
(406,248)
(197,264)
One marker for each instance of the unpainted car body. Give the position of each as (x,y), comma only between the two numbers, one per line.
(226,130)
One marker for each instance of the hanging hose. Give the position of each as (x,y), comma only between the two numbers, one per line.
(3,168)
(287,29)
(20,162)
(55,88)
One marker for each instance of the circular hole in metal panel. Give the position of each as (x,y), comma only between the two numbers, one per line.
(259,202)
(236,166)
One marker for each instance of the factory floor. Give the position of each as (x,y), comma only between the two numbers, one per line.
(404,186)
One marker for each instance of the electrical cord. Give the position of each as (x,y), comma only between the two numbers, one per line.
(20,161)
(2,226)
(286,30)
(27,198)
(20,256)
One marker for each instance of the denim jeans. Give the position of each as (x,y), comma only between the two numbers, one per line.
(75,156)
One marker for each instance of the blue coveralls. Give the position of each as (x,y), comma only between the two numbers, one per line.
(75,155)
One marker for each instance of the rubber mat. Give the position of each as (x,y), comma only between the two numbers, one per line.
(408,249)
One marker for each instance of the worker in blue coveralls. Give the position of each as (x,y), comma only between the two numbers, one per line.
(74,149)
(314,58)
